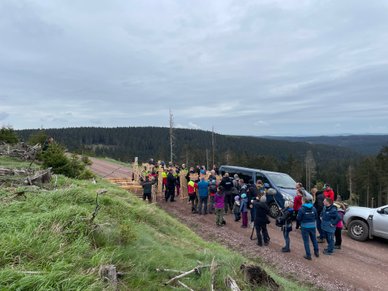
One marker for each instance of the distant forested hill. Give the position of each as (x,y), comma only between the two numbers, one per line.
(364,144)
(125,143)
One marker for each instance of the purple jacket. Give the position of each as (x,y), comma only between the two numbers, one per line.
(219,199)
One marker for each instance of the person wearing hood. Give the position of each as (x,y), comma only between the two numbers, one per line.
(330,218)
(236,208)
(219,200)
(307,217)
(244,210)
(261,220)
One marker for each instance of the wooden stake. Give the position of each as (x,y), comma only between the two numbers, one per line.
(213,268)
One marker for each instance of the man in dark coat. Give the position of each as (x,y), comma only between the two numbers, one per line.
(261,220)
(170,194)
(227,185)
(318,204)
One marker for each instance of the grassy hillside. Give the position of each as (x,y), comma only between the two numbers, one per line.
(48,243)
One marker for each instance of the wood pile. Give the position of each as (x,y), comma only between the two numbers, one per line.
(21,150)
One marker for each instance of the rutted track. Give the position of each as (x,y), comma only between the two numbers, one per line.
(357,266)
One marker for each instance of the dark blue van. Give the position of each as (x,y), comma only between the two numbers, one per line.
(282,183)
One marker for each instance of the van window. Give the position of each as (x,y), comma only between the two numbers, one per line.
(282,180)
(262,178)
(241,175)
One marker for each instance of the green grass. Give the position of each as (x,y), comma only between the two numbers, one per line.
(48,232)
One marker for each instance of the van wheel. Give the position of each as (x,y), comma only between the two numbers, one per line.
(274,210)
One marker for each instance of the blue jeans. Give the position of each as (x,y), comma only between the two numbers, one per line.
(202,205)
(330,241)
(306,234)
(286,235)
(320,231)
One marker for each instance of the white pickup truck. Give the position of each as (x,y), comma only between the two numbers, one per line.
(363,223)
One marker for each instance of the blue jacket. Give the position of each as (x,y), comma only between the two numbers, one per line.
(244,205)
(203,188)
(307,216)
(330,218)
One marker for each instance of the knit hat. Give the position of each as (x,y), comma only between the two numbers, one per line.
(243,195)
(237,198)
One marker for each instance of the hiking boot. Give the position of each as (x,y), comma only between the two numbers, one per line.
(307,258)
(316,254)
(259,244)
(337,247)
(285,250)
(326,252)
(266,243)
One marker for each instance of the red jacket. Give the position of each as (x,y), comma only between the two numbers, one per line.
(297,202)
(191,186)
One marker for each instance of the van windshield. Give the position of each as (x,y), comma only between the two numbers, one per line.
(282,180)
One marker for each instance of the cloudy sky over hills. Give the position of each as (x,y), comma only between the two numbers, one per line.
(269,67)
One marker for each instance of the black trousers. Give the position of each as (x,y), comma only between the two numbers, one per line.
(229,201)
(262,234)
(170,194)
(338,236)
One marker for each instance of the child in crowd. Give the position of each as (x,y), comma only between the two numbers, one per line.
(287,227)
(298,204)
(219,200)
(236,208)
(193,198)
(338,230)
(244,210)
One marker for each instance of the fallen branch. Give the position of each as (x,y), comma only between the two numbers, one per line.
(170,270)
(97,208)
(196,270)
(184,285)
(231,283)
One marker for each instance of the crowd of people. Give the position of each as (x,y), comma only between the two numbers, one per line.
(318,215)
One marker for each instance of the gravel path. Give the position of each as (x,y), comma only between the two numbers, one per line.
(357,266)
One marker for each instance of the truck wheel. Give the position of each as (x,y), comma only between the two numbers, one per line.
(358,230)
(274,210)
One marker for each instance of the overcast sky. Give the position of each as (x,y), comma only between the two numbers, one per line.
(269,67)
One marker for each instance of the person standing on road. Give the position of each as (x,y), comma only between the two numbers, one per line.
(236,208)
(227,186)
(298,204)
(287,227)
(307,216)
(244,210)
(330,218)
(170,186)
(212,189)
(192,193)
(318,204)
(341,208)
(219,200)
(147,189)
(203,192)
(261,220)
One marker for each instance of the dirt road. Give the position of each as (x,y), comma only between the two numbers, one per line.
(357,266)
